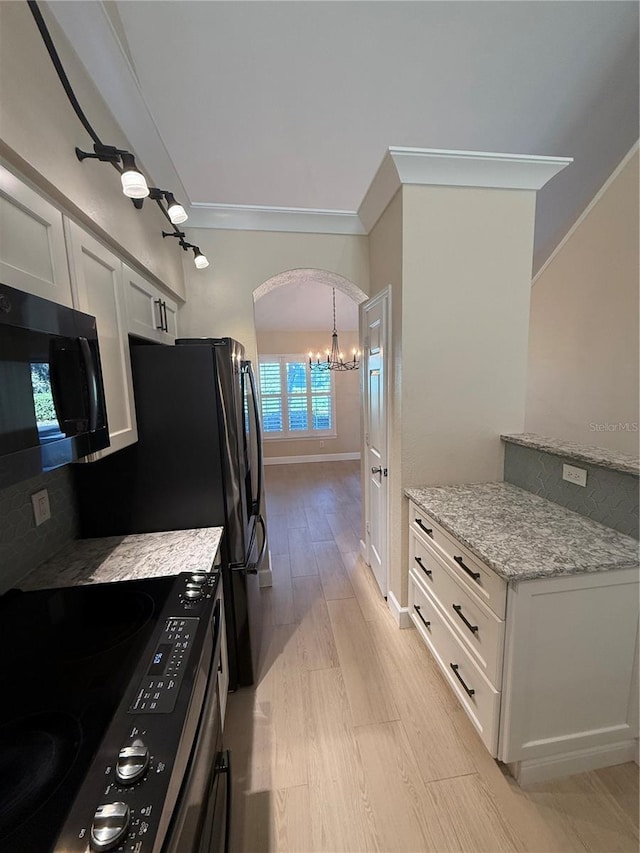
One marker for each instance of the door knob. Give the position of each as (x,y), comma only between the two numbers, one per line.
(377,470)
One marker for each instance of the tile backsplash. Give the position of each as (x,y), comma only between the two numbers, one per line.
(610,497)
(23,546)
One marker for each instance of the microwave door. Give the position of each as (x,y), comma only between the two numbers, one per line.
(75,386)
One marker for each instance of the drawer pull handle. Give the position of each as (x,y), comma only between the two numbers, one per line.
(416,607)
(454,667)
(427,530)
(474,575)
(458,609)
(422,566)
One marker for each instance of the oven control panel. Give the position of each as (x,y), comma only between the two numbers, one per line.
(159,688)
(128,796)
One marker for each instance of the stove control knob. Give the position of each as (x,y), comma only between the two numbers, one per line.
(110,825)
(193,591)
(132,763)
(198,578)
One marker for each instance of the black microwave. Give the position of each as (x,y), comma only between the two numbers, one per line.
(52,405)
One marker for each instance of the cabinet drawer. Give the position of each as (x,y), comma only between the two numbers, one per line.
(477,627)
(481,580)
(478,697)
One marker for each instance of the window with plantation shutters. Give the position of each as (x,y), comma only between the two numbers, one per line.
(296,402)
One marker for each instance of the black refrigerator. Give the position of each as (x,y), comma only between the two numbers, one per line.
(197,463)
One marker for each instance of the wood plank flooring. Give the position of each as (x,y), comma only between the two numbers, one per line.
(352,741)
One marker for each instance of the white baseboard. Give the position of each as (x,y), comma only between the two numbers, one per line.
(567,763)
(319,457)
(400,614)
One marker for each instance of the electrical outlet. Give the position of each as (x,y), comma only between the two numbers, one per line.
(574,475)
(41,508)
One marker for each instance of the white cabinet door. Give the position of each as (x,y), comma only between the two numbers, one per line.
(150,314)
(570,665)
(33,256)
(97,287)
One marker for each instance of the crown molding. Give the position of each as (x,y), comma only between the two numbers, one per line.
(257,218)
(438,167)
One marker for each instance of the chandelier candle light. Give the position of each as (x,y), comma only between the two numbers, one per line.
(335,358)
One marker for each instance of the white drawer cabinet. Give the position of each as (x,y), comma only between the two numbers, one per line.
(97,288)
(554,687)
(477,695)
(33,256)
(484,583)
(151,315)
(475,625)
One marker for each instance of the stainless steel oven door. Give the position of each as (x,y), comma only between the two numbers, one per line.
(201,819)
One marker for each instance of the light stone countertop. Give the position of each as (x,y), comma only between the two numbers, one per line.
(123,558)
(521,535)
(580,452)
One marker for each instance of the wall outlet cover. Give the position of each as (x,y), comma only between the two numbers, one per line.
(41,508)
(574,475)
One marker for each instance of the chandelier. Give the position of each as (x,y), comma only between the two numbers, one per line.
(334,357)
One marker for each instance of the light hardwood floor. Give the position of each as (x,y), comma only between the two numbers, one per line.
(352,741)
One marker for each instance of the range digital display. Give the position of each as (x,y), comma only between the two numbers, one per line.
(160,658)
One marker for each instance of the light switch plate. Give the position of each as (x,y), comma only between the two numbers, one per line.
(41,508)
(574,475)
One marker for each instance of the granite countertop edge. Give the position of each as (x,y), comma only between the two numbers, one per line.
(506,572)
(136,556)
(600,456)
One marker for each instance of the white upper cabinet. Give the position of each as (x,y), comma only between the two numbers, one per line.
(97,279)
(151,315)
(32,245)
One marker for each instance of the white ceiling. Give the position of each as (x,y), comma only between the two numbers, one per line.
(293,104)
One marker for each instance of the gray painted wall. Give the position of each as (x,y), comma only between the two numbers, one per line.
(23,546)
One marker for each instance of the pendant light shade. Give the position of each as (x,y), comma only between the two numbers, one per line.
(200,260)
(134,184)
(177,213)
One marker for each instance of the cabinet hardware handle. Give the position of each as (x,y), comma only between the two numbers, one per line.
(454,667)
(422,566)
(164,311)
(158,302)
(474,575)
(458,609)
(427,530)
(416,607)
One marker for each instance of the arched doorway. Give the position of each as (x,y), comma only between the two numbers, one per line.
(293,316)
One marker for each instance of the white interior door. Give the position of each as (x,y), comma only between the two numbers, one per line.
(376,479)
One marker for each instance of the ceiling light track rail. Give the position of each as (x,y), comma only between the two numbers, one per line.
(134,183)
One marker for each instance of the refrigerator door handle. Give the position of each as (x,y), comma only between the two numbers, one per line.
(252,568)
(256,415)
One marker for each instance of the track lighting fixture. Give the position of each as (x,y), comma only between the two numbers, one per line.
(199,259)
(134,183)
(175,212)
